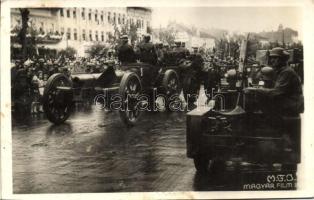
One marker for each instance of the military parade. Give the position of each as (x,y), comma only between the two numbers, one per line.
(136,111)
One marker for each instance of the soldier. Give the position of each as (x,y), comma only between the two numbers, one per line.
(286,97)
(22,91)
(160,53)
(125,51)
(148,53)
(180,52)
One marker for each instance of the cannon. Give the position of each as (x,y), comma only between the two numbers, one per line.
(128,88)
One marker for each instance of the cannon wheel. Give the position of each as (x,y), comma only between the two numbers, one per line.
(130,89)
(171,86)
(190,88)
(56,106)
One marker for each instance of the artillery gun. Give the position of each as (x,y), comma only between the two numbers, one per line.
(128,88)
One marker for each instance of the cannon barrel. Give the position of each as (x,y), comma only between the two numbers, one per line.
(85,80)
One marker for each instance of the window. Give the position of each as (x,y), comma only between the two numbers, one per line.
(52,28)
(119,22)
(74,13)
(68,13)
(83,14)
(62,30)
(75,34)
(90,15)
(61,12)
(96,17)
(90,36)
(102,17)
(83,35)
(69,34)
(96,35)
(102,36)
(114,18)
(109,17)
(123,19)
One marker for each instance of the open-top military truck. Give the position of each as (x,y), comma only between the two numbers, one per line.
(236,127)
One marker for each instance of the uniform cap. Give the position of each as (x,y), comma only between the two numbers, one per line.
(124,37)
(28,62)
(278,52)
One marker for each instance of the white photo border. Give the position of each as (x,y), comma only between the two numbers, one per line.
(306,169)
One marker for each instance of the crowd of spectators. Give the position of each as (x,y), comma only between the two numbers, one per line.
(29,77)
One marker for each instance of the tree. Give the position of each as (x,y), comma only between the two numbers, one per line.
(22,34)
(167,35)
(133,33)
(68,52)
(98,50)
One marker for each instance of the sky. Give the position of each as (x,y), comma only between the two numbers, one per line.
(241,19)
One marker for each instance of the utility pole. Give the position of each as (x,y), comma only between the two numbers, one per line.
(283,38)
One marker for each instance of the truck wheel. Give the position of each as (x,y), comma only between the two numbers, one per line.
(201,164)
(130,89)
(171,86)
(57,104)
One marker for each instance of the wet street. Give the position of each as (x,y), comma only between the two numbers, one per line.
(94,152)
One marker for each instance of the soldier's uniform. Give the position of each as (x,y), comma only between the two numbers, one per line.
(160,53)
(125,51)
(148,53)
(286,97)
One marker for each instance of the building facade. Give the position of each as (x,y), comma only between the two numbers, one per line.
(82,27)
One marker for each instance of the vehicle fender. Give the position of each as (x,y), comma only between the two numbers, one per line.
(194,129)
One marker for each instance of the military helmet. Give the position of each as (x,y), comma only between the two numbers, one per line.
(232,73)
(268,73)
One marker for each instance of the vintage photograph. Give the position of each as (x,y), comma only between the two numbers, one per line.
(156,99)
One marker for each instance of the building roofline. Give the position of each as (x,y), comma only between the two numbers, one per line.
(141,8)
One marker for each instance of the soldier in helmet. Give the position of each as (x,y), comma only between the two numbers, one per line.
(148,53)
(286,96)
(267,76)
(125,51)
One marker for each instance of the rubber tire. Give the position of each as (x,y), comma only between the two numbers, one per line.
(48,86)
(126,77)
(190,89)
(164,84)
